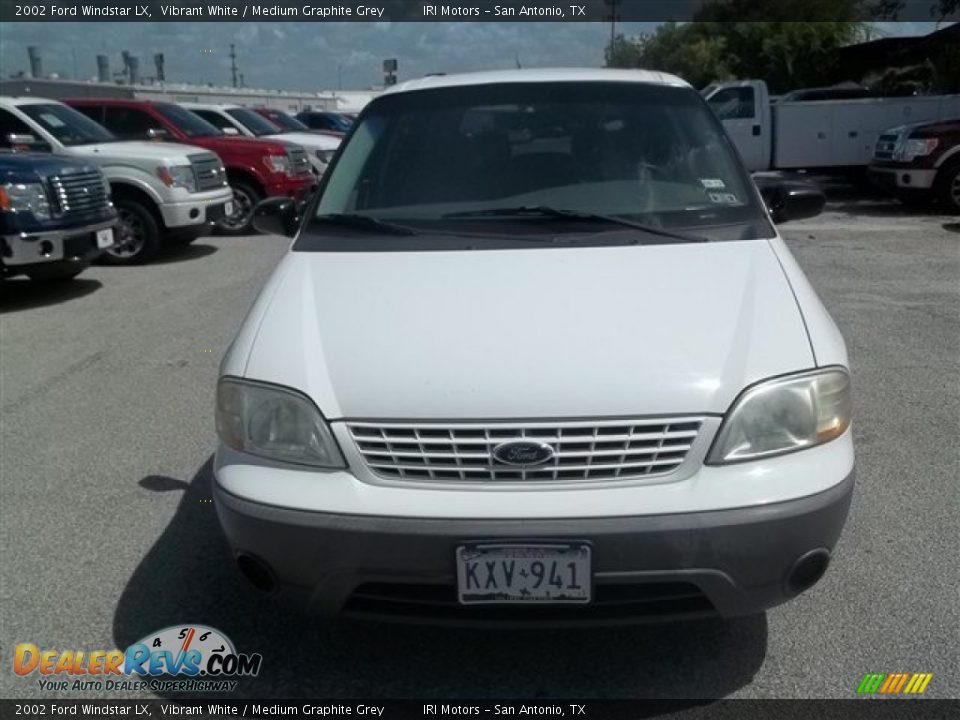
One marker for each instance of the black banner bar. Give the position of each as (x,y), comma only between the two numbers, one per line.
(461,11)
(524,709)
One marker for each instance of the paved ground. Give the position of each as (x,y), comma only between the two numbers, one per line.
(107,430)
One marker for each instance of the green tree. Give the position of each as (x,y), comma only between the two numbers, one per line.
(785,54)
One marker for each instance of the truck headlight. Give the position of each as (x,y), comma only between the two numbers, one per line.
(911,149)
(26,198)
(274,422)
(784,414)
(278,164)
(178,176)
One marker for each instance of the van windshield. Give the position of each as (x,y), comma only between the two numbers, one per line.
(643,152)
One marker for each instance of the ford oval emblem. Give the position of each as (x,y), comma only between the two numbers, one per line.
(522,453)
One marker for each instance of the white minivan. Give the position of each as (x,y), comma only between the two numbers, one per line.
(537,354)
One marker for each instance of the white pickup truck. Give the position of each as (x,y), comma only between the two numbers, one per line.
(814,133)
(163,192)
(237,120)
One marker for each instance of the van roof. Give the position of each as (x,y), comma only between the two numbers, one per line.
(431,82)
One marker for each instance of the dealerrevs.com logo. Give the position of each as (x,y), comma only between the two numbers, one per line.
(190,658)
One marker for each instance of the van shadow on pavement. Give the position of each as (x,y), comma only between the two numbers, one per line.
(188,577)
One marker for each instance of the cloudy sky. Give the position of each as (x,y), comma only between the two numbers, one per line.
(298,56)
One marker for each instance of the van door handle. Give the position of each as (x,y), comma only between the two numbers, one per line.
(756,130)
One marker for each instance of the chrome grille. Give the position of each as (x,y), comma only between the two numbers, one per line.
(78,192)
(886,145)
(299,163)
(208,171)
(600,450)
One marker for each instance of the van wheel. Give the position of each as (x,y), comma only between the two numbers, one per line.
(948,187)
(245,198)
(137,237)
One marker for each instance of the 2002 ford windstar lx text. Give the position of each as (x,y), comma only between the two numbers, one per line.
(537,353)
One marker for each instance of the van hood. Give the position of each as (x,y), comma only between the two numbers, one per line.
(309,140)
(133,150)
(531,333)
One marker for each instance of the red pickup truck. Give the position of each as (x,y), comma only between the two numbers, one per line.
(255,168)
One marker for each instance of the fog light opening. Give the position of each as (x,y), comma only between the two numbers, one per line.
(194,214)
(46,248)
(257,572)
(807,570)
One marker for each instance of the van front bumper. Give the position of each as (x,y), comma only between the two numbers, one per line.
(645,568)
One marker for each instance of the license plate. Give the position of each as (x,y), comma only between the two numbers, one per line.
(228,208)
(525,573)
(104,238)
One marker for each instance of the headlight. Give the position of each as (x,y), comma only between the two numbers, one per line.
(325,156)
(785,414)
(178,176)
(274,422)
(25,197)
(278,163)
(915,148)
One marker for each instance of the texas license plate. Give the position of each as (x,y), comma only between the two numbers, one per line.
(104,238)
(523,573)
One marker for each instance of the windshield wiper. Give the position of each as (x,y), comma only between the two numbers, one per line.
(546,211)
(365,222)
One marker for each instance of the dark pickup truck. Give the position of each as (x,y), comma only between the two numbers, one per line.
(55,216)
(920,163)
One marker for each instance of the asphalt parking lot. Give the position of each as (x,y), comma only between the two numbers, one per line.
(106,395)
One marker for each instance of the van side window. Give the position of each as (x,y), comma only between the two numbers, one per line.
(733,103)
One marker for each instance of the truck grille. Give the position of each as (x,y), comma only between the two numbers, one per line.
(78,192)
(209,172)
(298,160)
(603,450)
(886,145)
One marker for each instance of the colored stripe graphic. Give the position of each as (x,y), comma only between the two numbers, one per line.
(894,683)
(871,682)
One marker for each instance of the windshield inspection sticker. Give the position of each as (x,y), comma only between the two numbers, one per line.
(712,183)
(723,198)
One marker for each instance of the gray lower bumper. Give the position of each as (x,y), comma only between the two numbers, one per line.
(35,248)
(736,561)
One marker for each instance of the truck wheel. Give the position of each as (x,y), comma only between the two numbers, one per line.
(57,272)
(948,187)
(245,198)
(137,235)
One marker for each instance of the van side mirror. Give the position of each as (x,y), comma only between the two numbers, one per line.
(277,216)
(25,142)
(790,200)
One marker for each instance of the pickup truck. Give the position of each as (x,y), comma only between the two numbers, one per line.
(164,194)
(55,216)
(256,168)
(237,120)
(822,134)
(920,162)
